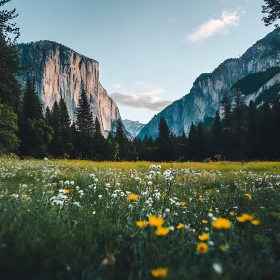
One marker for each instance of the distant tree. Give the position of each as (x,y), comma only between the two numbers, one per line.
(32,108)
(65,128)
(85,127)
(238,112)
(266,132)
(35,134)
(99,141)
(56,143)
(276,128)
(252,136)
(48,116)
(164,132)
(192,145)
(226,110)
(216,135)
(9,141)
(200,143)
(84,116)
(272,8)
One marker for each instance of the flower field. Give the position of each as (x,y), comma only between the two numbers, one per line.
(86,220)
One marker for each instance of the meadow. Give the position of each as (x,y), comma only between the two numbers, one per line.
(63,219)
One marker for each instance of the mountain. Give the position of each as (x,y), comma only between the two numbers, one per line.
(59,72)
(207,91)
(133,127)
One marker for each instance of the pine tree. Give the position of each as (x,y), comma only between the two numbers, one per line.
(216,135)
(200,142)
(192,151)
(48,116)
(65,127)
(252,130)
(276,128)
(164,132)
(84,116)
(99,141)
(56,143)
(272,8)
(238,112)
(32,108)
(226,110)
(9,60)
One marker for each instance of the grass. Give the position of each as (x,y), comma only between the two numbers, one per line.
(64,219)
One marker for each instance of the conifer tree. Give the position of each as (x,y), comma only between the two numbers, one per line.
(48,116)
(164,132)
(192,142)
(276,128)
(252,130)
(216,135)
(238,109)
(226,110)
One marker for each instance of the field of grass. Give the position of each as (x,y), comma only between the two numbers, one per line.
(62,219)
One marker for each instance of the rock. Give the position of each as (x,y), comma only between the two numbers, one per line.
(60,72)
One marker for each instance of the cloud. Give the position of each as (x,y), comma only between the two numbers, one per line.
(141,101)
(214,26)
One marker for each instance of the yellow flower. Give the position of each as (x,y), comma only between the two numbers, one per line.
(180,226)
(202,248)
(24,196)
(156,221)
(183,203)
(66,191)
(159,272)
(256,222)
(141,224)
(245,218)
(201,198)
(204,236)
(1,196)
(204,221)
(221,223)
(248,196)
(133,197)
(231,213)
(161,231)
(223,248)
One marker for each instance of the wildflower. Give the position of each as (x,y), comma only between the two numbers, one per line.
(201,198)
(109,260)
(66,191)
(133,197)
(183,203)
(221,223)
(256,222)
(218,268)
(141,224)
(231,213)
(248,196)
(155,221)
(161,231)
(204,221)
(223,248)
(159,272)
(204,236)
(245,218)
(202,248)
(180,226)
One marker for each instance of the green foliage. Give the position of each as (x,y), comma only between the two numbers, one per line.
(9,141)
(253,82)
(272,8)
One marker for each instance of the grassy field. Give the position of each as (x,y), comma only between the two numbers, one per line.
(62,219)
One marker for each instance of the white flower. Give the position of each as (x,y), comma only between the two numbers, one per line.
(92,176)
(218,268)
(172,228)
(210,215)
(100,196)
(211,243)
(167,210)
(94,212)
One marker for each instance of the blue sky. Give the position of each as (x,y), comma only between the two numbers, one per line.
(150,51)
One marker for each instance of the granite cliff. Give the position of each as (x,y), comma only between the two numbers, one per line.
(59,72)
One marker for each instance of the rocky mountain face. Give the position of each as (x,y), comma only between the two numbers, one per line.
(133,127)
(60,72)
(207,91)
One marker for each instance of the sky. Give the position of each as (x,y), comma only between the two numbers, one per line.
(151,51)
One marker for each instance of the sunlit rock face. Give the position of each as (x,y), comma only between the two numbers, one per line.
(207,91)
(60,72)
